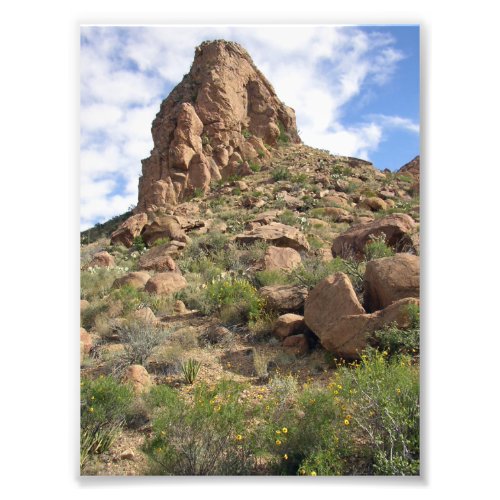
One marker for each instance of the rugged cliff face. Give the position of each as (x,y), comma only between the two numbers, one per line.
(223,116)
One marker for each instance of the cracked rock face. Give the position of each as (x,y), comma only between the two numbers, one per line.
(222,115)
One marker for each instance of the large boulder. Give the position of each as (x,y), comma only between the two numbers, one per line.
(398,230)
(136,280)
(129,230)
(284,298)
(85,341)
(280,259)
(159,258)
(277,234)
(144,315)
(163,226)
(166,283)
(390,279)
(101,259)
(330,300)
(348,336)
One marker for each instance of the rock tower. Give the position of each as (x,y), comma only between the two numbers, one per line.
(223,116)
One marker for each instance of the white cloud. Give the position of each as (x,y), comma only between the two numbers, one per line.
(125,73)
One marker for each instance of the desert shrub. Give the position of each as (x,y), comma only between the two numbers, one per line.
(283,138)
(281,174)
(271,277)
(254,166)
(382,394)
(260,363)
(94,310)
(262,328)
(236,297)
(246,133)
(300,179)
(161,241)
(288,218)
(139,244)
(339,171)
(190,369)
(207,435)
(377,248)
(130,298)
(96,283)
(104,404)
(314,270)
(140,339)
(394,340)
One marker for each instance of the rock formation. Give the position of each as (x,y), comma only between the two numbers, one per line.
(222,115)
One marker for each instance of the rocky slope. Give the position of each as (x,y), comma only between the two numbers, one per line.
(259,255)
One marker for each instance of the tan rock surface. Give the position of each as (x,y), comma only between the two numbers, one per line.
(390,279)
(219,116)
(136,280)
(129,230)
(282,259)
(397,229)
(277,234)
(166,283)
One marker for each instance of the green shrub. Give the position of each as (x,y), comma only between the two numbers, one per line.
(271,277)
(246,133)
(288,218)
(139,244)
(89,315)
(96,283)
(254,166)
(281,174)
(234,294)
(283,138)
(130,297)
(314,270)
(383,395)
(104,405)
(393,340)
(207,435)
(161,241)
(377,248)
(190,369)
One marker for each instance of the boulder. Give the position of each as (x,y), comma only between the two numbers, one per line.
(348,336)
(85,341)
(166,283)
(338,214)
(398,230)
(289,324)
(144,315)
(296,344)
(136,280)
(101,259)
(280,259)
(158,258)
(139,377)
(374,204)
(163,226)
(277,234)
(284,298)
(84,304)
(330,300)
(129,230)
(390,279)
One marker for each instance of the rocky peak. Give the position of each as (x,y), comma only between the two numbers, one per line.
(222,116)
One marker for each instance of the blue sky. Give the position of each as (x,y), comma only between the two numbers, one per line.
(355,90)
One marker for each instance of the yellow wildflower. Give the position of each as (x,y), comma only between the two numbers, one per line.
(278,442)
(346,422)
(239,437)
(91,409)
(285,456)
(313,473)
(278,432)
(398,390)
(284,430)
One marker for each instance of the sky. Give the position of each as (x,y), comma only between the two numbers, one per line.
(355,91)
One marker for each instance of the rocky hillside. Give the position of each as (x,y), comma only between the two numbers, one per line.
(254,258)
